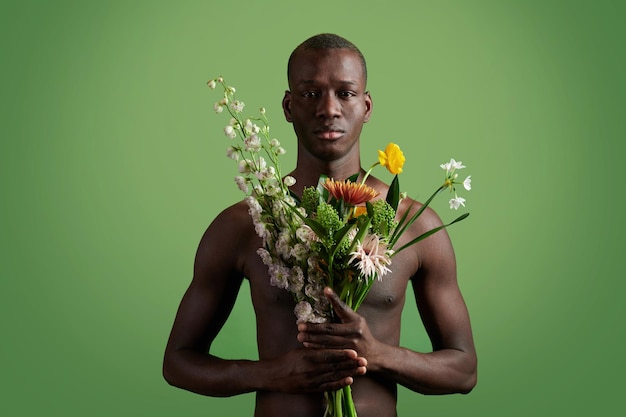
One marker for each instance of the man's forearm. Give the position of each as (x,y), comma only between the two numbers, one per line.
(445,371)
(208,375)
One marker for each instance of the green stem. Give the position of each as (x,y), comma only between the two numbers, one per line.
(369,171)
(338,404)
(401,228)
(350,408)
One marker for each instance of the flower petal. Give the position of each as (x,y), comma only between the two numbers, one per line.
(392,158)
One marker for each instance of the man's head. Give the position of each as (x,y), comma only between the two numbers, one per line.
(327,102)
(321,42)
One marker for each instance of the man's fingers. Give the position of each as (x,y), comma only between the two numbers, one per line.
(326,338)
(334,359)
(333,355)
(344,312)
(335,369)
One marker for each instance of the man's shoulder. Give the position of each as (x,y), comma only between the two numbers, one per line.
(428,219)
(228,238)
(232,221)
(235,212)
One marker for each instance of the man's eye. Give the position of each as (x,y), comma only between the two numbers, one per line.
(346,94)
(310,94)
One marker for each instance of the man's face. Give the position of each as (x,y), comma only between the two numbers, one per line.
(327,103)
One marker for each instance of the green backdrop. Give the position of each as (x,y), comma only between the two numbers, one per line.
(112,165)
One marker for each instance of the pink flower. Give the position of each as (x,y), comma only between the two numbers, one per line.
(372,256)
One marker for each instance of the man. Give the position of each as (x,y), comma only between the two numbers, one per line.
(327,103)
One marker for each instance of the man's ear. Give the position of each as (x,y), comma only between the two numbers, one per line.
(369,106)
(287,105)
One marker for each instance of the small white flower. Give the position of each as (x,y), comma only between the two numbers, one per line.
(279,276)
(315,290)
(303,311)
(284,244)
(307,236)
(262,110)
(467,183)
(289,181)
(262,163)
(456,202)
(452,165)
(245,166)
(262,172)
(265,256)
(289,200)
(218,108)
(254,208)
(272,189)
(300,252)
(456,165)
(241,183)
(296,280)
(232,153)
(237,106)
(230,132)
(261,229)
(253,143)
(274,143)
(212,84)
(220,80)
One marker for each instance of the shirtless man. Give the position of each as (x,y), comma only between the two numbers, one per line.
(327,104)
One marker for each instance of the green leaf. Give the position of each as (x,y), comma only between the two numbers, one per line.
(401,229)
(393,195)
(431,232)
(363,225)
(317,227)
(339,237)
(320,187)
(353,178)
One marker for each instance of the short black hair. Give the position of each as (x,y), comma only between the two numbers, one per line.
(327,41)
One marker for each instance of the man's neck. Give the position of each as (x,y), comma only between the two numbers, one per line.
(307,172)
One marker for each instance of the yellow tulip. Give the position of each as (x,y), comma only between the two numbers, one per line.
(392,158)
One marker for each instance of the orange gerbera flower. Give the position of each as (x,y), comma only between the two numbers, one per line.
(352,193)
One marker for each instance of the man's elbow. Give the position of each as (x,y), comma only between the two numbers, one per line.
(169,372)
(469,382)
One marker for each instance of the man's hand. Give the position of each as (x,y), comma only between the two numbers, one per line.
(352,333)
(314,370)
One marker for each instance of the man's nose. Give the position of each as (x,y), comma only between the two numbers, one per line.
(328,106)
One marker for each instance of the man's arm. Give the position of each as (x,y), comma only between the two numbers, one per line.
(203,311)
(451,366)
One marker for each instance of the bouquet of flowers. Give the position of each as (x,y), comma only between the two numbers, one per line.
(337,234)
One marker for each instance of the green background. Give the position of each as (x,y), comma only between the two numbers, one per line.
(112,165)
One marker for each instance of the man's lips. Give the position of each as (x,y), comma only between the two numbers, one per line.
(329,133)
